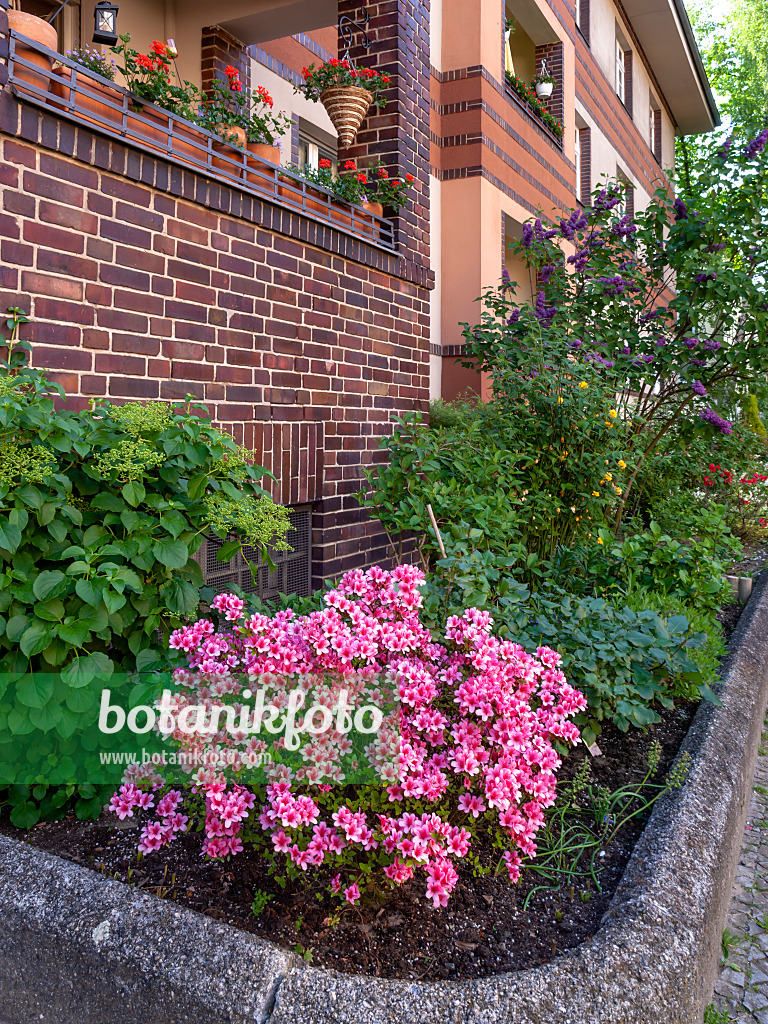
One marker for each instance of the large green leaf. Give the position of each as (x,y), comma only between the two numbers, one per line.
(171,553)
(50,583)
(35,690)
(36,638)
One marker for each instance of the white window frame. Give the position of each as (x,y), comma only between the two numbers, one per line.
(620,72)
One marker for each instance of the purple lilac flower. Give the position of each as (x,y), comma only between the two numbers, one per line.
(648,357)
(690,342)
(725,149)
(613,285)
(698,362)
(546,273)
(604,201)
(577,343)
(624,228)
(701,278)
(681,210)
(710,345)
(513,317)
(544,314)
(757,145)
(660,342)
(576,222)
(527,235)
(710,416)
(506,281)
(698,388)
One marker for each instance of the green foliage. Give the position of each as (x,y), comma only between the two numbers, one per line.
(666,566)
(260,901)
(627,662)
(101,512)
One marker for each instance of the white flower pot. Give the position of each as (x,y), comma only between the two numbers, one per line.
(544,90)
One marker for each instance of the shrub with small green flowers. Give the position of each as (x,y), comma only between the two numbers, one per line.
(101,512)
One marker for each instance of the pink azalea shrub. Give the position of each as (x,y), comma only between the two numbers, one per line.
(469,753)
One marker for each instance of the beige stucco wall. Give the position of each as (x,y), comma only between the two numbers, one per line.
(436,296)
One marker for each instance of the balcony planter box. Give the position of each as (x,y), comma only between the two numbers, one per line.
(41,32)
(103,101)
(347,105)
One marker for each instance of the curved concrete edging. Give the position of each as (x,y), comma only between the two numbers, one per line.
(77,948)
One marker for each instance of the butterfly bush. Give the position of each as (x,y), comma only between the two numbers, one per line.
(469,751)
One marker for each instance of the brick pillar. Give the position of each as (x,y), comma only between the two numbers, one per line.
(628,81)
(399,135)
(585,185)
(219,49)
(553,54)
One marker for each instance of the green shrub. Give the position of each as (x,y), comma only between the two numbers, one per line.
(101,512)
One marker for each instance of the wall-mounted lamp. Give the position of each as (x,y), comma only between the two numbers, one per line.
(105,28)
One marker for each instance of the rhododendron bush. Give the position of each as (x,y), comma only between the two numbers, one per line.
(464,769)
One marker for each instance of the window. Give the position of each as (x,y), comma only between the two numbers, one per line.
(620,84)
(584,165)
(582,17)
(655,131)
(292,572)
(313,148)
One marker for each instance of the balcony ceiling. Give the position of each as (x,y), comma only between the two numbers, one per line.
(667,39)
(258,21)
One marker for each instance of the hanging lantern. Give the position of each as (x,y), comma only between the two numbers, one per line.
(105,30)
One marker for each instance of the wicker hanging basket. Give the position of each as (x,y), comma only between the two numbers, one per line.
(347,105)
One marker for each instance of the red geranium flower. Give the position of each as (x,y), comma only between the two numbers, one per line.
(409,177)
(325,163)
(349,165)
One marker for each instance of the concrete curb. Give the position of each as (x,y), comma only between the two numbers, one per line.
(76,947)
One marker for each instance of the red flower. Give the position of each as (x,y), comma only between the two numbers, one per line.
(324,164)
(266,98)
(159,48)
(362,179)
(383,173)
(230,70)
(144,62)
(349,165)
(409,177)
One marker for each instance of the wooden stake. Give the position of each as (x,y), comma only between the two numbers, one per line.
(437,532)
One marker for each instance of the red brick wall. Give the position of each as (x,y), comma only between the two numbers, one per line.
(147,281)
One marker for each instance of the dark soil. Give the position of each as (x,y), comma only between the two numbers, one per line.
(484,930)
(753,560)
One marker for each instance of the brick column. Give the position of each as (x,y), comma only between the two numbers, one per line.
(399,135)
(219,49)
(553,54)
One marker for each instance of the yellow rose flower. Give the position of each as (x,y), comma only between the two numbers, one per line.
(608,476)
(583,384)
(612,413)
(622,464)
(595,494)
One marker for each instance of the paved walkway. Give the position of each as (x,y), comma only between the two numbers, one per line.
(742,988)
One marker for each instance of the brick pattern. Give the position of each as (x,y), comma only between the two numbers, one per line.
(552,53)
(399,134)
(218,49)
(145,281)
(585,185)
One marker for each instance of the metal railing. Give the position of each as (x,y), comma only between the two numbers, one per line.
(520,102)
(78,94)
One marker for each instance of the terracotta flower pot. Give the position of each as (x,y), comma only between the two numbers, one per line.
(234,139)
(260,153)
(89,96)
(375,208)
(189,144)
(43,33)
(347,105)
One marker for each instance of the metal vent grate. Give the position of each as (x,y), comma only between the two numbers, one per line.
(292,572)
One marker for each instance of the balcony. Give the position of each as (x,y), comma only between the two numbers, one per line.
(73,92)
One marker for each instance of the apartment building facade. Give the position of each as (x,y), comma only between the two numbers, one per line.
(150,278)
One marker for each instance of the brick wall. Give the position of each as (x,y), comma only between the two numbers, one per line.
(398,136)
(147,281)
(552,53)
(218,50)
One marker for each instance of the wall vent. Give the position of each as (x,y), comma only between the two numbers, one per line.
(292,573)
